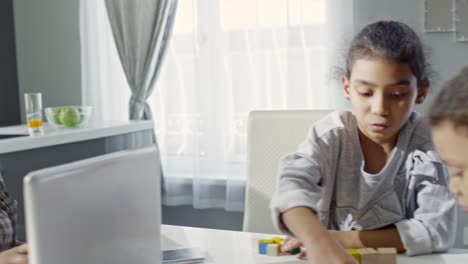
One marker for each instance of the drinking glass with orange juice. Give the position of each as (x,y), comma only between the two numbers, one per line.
(33,108)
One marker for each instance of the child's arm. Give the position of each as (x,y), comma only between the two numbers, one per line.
(430,207)
(381,238)
(320,245)
(7,218)
(385,237)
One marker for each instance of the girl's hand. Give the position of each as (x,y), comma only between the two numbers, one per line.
(320,245)
(326,251)
(290,243)
(16,255)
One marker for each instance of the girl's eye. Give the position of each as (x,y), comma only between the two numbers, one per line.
(458,175)
(399,95)
(456,172)
(365,94)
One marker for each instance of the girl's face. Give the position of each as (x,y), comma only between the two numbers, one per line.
(452,143)
(382,94)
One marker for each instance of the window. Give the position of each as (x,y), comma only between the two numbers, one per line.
(225,58)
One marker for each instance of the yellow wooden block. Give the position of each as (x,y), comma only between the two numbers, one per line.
(276,240)
(355,254)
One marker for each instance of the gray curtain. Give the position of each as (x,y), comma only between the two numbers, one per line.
(141,30)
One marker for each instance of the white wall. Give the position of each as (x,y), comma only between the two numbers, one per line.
(448,56)
(48,50)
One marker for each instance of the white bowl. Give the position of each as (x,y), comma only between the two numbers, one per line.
(68,116)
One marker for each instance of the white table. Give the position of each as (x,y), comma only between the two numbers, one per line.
(233,247)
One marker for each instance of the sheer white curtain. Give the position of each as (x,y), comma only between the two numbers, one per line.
(226,58)
(101,70)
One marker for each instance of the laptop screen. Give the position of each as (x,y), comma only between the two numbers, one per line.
(105,209)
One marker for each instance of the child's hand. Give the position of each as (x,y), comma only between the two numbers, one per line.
(16,255)
(290,243)
(326,250)
(320,245)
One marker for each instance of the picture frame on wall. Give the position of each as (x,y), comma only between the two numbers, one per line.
(438,16)
(461,20)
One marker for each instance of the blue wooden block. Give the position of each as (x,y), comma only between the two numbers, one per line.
(262,247)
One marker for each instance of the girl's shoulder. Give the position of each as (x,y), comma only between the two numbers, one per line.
(420,149)
(418,132)
(336,123)
(329,132)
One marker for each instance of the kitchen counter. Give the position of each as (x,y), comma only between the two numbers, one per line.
(23,154)
(56,136)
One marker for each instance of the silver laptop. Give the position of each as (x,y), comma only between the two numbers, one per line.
(101,210)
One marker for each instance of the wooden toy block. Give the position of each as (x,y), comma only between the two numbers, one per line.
(264,244)
(273,250)
(262,247)
(387,255)
(355,254)
(276,240)
(368,255)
